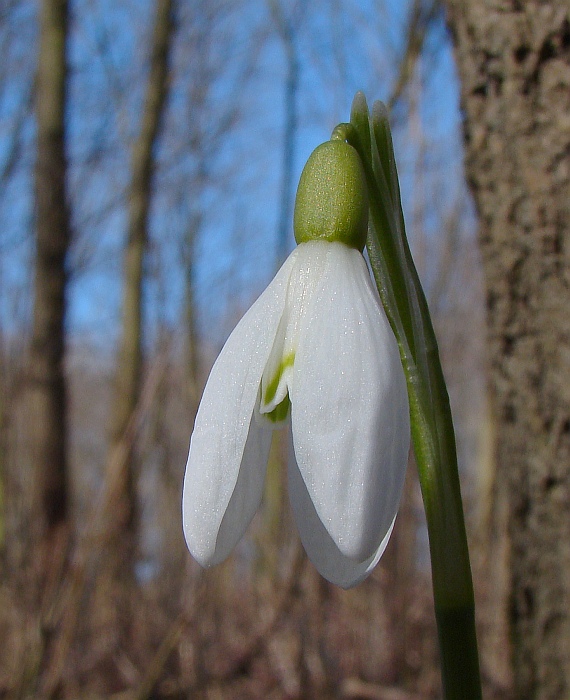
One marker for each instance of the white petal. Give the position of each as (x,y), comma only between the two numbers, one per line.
(349,412)
(305,276)
(319,545)
(228,449)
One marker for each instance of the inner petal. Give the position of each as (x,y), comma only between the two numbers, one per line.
(274,386)
(273,404)
(274,401)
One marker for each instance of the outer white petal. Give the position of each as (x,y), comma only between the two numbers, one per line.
(228,454)
(319,545)
(349,412)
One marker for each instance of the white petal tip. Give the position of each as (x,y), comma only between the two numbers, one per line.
(200,544)
(202,547)
(355,548)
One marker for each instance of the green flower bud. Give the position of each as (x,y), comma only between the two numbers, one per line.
(332,199)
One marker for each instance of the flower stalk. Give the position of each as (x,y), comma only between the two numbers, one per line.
(433,435)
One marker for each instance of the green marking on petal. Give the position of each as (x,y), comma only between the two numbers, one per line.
(279,413)
(271,390)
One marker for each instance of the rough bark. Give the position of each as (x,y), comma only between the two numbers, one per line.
(130,358)
(513,58)
(48,405)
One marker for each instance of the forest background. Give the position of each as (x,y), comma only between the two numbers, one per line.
(149,154)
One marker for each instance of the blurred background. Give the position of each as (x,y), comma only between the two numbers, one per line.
(149,156)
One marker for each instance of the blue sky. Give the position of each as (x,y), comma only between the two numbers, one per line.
(349,47)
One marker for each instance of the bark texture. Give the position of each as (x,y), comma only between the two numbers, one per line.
(129,363)
(513,58)
(48,409)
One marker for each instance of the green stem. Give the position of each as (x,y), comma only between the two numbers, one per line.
(433,435)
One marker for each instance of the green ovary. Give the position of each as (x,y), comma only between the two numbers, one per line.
(332,198)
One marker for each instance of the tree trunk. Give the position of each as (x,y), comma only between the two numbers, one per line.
(129,363)
(48,405)
(287,28)
(514,63)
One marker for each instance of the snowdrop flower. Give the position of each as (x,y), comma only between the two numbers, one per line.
(315,350)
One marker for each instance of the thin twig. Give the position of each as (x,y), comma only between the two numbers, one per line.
(253,649)
(420,20)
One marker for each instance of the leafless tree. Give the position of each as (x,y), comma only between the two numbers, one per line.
(48,404)
(130,358)
(288,21)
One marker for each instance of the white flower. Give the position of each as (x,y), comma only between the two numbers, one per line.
(315,348)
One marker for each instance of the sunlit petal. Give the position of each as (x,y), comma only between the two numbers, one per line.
(319,545)
(228,449)
(349,412)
